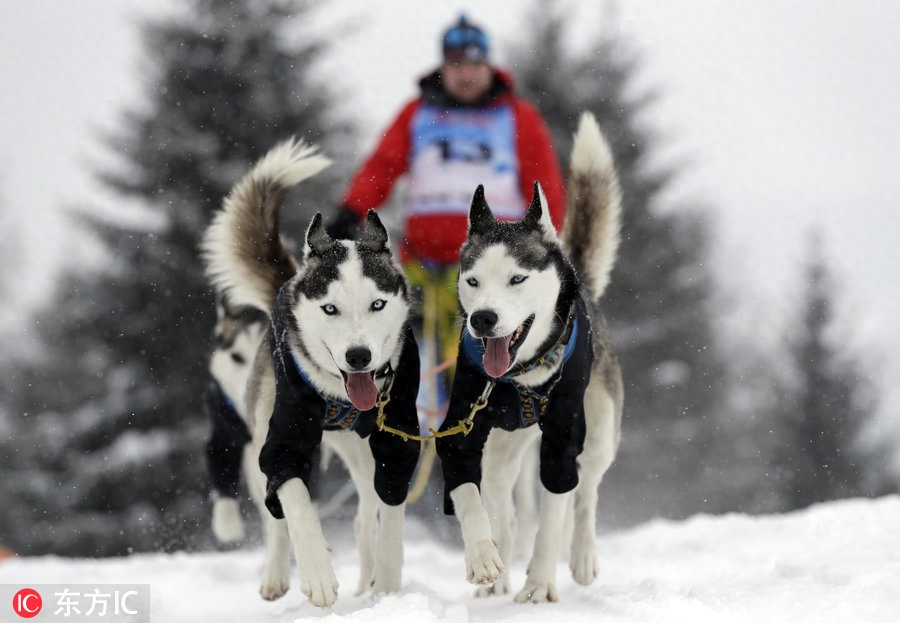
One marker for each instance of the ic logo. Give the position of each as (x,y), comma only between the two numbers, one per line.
(27,603)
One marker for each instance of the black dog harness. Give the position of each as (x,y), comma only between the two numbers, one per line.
(301,413)
(225,447)
(339,415)
(533,401)
(557,407)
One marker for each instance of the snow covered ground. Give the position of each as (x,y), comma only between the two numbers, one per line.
(836,562)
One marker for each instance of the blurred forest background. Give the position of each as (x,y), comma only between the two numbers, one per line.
(102,428)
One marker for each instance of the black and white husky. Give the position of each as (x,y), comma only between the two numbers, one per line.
(339,353)
(535,349)
(238,333)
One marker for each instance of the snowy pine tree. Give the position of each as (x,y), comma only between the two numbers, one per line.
(112,417)
(825,407)
(658,302)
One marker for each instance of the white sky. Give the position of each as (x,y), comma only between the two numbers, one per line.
(788,111)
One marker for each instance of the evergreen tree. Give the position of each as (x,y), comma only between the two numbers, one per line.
(114,411)
(658,300)
(827,407)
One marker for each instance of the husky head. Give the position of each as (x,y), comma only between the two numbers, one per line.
(515,284)
(238,332)
(348,310)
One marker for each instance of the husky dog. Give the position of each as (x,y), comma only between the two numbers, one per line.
(238,333)
(535,349)
(340,367)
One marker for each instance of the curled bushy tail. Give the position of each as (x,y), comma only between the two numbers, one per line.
(590,232)
(242,249)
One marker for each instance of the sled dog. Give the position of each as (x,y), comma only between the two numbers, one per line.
(339,361)
(238,333)
(535,360)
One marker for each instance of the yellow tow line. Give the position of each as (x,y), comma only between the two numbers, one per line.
(464,426)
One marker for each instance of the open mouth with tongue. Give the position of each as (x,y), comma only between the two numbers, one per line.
(500,351)
(361,389)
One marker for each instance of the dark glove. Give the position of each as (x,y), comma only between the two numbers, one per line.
(344,224)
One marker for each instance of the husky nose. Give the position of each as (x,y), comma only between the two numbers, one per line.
(483,321)
(358,357)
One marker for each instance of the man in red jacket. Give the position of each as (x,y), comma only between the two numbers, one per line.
(467,127)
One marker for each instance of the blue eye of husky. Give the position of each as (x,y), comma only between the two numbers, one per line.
(472,281)
(378,305)
(518,279)
(329,309)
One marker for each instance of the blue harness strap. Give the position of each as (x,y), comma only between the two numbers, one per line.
(227,399)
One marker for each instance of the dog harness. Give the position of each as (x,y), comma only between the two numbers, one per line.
(225,447)
(301,413)
(557,407)
(340,415)
(533,401)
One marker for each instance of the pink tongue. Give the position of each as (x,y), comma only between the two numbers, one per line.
(496,356)
(361,389)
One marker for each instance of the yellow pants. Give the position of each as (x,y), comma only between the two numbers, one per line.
(438,330)
(437,324)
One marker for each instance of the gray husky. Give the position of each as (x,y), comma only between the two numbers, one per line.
(238,333)
(535,361)
(340,366)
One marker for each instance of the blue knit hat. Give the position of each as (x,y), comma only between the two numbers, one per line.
(465,41)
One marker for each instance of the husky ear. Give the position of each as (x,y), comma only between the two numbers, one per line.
(374,236)
(480,215)
(317,238)
(538,216)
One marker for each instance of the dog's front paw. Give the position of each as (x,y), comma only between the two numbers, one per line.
(386,585)
(583,564)
(483,566)
(538,593)
(273,586)
(388,575)
(276,577)
(500,587)
(227,524)
(320,588)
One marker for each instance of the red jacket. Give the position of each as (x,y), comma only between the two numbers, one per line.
(438,237)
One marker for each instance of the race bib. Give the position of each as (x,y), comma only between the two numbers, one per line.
(455,150)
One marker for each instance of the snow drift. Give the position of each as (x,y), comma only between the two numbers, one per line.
(832,562)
